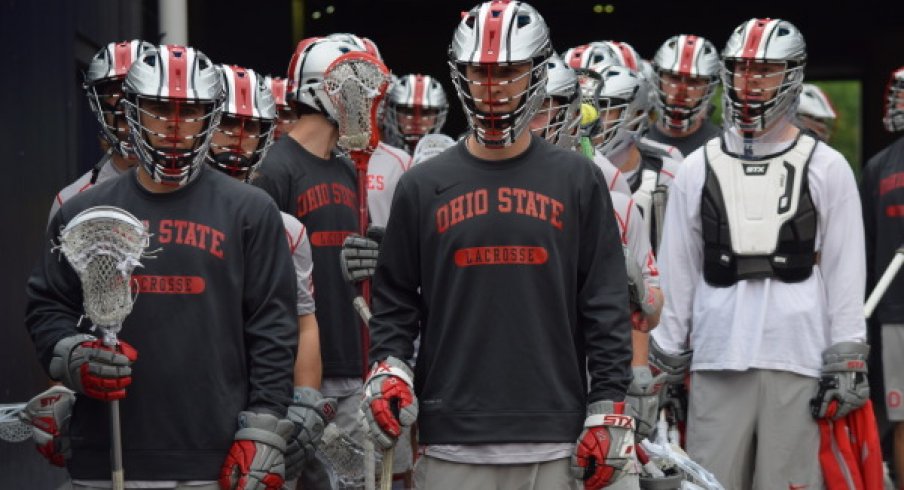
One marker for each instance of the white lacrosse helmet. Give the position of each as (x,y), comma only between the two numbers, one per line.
(587,55)
(249,114)
(894,102)
(285,115)
(103,85)
(762,41)
(311,58)
(184,78)
(415,106)
(690,57)
(431,145)
(500,32)
(625,55)
(624,94)
(815,111)
(562,108)
(362,43)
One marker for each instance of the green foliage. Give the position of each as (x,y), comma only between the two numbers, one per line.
(845,98)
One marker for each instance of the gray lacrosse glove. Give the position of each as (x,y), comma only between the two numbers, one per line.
(674,366)
(255,460)
(310,412)
(643,398)
(48,415)
(843,384)
(358,258)
(605,448)
(84,364)
(389,402)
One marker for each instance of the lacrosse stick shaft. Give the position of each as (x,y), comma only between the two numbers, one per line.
(386,473)
(118,476)
(369,465)
(362,158)
(884,282)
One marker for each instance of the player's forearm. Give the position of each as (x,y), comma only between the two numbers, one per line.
(640,342)
(308,365)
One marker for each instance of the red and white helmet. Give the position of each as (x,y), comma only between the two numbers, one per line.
(360,42)
(500,32)
(416,106)
(285,115)
(762,41)
(186,78)
(562,109)
(625,55)
(103,85)
(587,55)
(248,106)
(685,56)
(894,102)
(625,93)
(311,58)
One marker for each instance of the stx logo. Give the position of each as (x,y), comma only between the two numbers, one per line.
(616,420)
(755,168)
(50,400)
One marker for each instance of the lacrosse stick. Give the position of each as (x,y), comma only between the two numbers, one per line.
(884,282)
(104,244)
(356,83)
(13,429)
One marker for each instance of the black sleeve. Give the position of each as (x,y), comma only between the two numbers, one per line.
(276,187)
(868,207)
(396,300)
(271,329)
(54,297)
(603,295)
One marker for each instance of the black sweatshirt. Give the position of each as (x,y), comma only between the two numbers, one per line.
(214,326)
(882,193)
(322,194)
(522,290)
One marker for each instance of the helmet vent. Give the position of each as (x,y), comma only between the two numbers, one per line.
(783,31)
(523,20)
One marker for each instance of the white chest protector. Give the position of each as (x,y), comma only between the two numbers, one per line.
(758,217)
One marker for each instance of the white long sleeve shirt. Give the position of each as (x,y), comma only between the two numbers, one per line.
(764,323)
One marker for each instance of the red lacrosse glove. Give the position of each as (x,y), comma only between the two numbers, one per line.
(48,414)
(389,402)
(255,460)
(84,364)
(605,447)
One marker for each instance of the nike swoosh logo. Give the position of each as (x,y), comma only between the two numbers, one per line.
(440,189)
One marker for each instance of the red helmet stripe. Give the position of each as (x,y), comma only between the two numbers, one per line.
(492,31)
(122,58)
(754,37)
(686,65)
(577,53)
(419,90)
(278,87)
(630,62)
(241,95)
(177,64)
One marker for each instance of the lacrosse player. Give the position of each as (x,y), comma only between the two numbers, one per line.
(815,113)
(214,322)
(103,86)
(762,264)
(882,195)
(685,76)
(239,143)
(502,253)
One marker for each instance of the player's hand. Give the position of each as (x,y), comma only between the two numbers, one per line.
(605,447)
(358,258)
(310,412)
(389,402)
(643,399)
(843,383)
(255,460)
(48,415)
(84,364)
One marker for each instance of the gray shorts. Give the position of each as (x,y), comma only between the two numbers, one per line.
(437,474)
(753,429)
(893,370)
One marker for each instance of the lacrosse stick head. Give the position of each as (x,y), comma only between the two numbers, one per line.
(104,244)
(12,428)
(356,83)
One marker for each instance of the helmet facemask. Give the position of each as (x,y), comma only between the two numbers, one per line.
(488,97)
(619,125)
(239,144)
(171,136)
(105,100)
(894,103)
(682,100)
(759,92)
